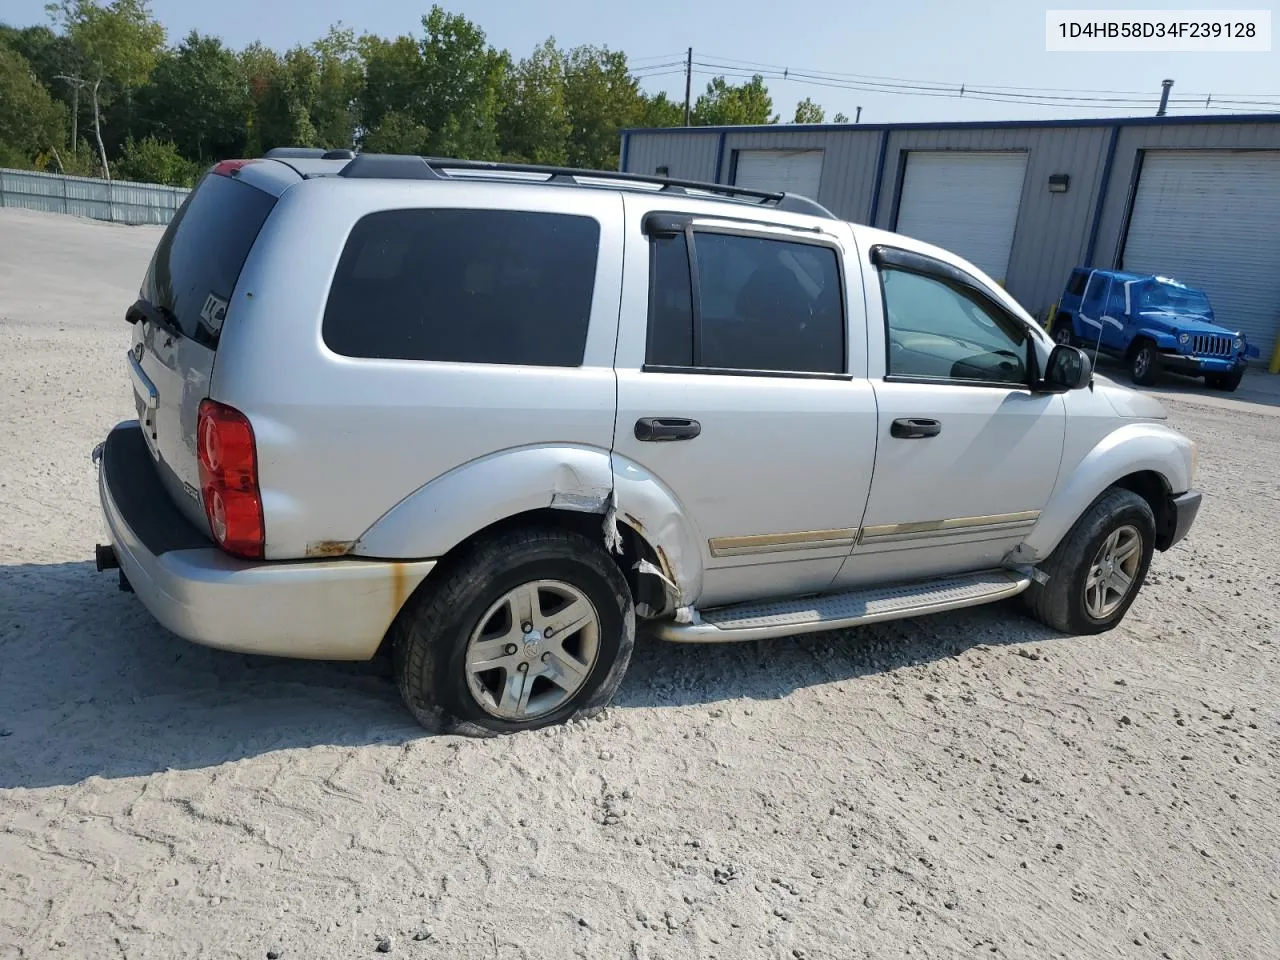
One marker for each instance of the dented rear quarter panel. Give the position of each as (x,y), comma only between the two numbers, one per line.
(342,441)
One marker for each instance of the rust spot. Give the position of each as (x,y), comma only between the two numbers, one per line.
(328,548)
(634,521)
(399,588)
(663,562)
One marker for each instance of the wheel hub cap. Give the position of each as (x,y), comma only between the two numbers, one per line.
(522,674)
(1113,574)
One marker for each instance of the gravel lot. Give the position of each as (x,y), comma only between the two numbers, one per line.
(965,785)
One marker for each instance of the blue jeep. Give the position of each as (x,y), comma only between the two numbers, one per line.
(1153,324)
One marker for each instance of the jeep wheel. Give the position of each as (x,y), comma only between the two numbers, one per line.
(524,630)
(1096,571)
(1144,363)
(1227,382)
(1062,331)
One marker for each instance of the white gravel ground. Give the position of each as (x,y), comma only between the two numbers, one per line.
(965,785)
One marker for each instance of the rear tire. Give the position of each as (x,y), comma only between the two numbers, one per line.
(1073,599)
(1062,332)
(466,664)
(1227,382)
(1144,363)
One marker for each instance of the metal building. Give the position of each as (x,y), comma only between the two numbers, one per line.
(1196,198)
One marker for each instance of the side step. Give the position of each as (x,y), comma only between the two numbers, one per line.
(759,620)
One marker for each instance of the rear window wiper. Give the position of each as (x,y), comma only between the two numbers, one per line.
(151,313)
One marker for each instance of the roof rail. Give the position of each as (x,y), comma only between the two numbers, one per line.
(387,166)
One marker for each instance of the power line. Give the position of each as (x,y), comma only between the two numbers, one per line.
(961,91)
(883,84)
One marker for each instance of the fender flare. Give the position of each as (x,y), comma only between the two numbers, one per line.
(1163,339)
(444,512)
(1132,448)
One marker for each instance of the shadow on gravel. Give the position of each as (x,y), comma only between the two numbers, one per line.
(90,685)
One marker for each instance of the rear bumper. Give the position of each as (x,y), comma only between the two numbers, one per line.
(1185,508)
(320,610)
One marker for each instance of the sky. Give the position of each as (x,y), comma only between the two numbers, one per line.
(996,43)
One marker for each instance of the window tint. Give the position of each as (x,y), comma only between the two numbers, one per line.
(762,305)
(1115,302)
(1075,286)
(470,286)
(670,304)
(1095,295)
(944,332)
(199,258)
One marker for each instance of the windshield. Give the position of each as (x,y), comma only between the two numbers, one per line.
(1174,299)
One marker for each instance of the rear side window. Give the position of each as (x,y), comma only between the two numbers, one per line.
(467,286)
(745,303)
(199,258)
(1075,286)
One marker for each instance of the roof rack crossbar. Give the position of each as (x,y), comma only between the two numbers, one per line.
(396,166)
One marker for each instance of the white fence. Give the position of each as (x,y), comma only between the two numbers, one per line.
(117,200)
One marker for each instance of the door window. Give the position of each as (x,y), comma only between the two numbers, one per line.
(1095,296)
(940,331)
(1115,301)
(745,303)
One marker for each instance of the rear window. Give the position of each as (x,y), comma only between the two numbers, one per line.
(1075,287)
(467,286)
(199,258)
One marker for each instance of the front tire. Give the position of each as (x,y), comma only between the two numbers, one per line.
(526,629)
(1227,382)
(1144,363)
(1095,573)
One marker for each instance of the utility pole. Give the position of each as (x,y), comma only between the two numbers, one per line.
(688,83)
(857,116)
(1166,86)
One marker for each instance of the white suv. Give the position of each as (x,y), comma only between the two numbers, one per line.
(497,417)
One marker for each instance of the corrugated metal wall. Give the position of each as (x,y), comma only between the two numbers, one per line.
(119,201)
(1132,140)
(1053,229)
(848,164)
(687,156)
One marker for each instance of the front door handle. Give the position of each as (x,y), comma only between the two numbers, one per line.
(915,428)
(659,429)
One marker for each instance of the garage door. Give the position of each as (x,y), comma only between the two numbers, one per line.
(792,171)
(1211,219)
(964,202)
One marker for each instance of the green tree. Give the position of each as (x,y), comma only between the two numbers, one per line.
(533,119)
(339,77)
(393,82)
(119,43)
(840,118)
(809,112)
(32,123)
(463,79)
(398,133)
(156,161)
(198,99)
(660,111)
(602,97)
(727,104)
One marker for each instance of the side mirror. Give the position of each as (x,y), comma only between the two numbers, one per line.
(1069,368)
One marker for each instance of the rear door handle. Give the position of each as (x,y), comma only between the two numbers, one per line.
(659,429)
(915,428)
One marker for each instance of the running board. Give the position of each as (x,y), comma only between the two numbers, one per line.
(760,620)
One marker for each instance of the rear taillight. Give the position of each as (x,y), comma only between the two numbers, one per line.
(229,479)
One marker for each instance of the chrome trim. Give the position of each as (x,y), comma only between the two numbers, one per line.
(778,542)
(143,383)
(931,529)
